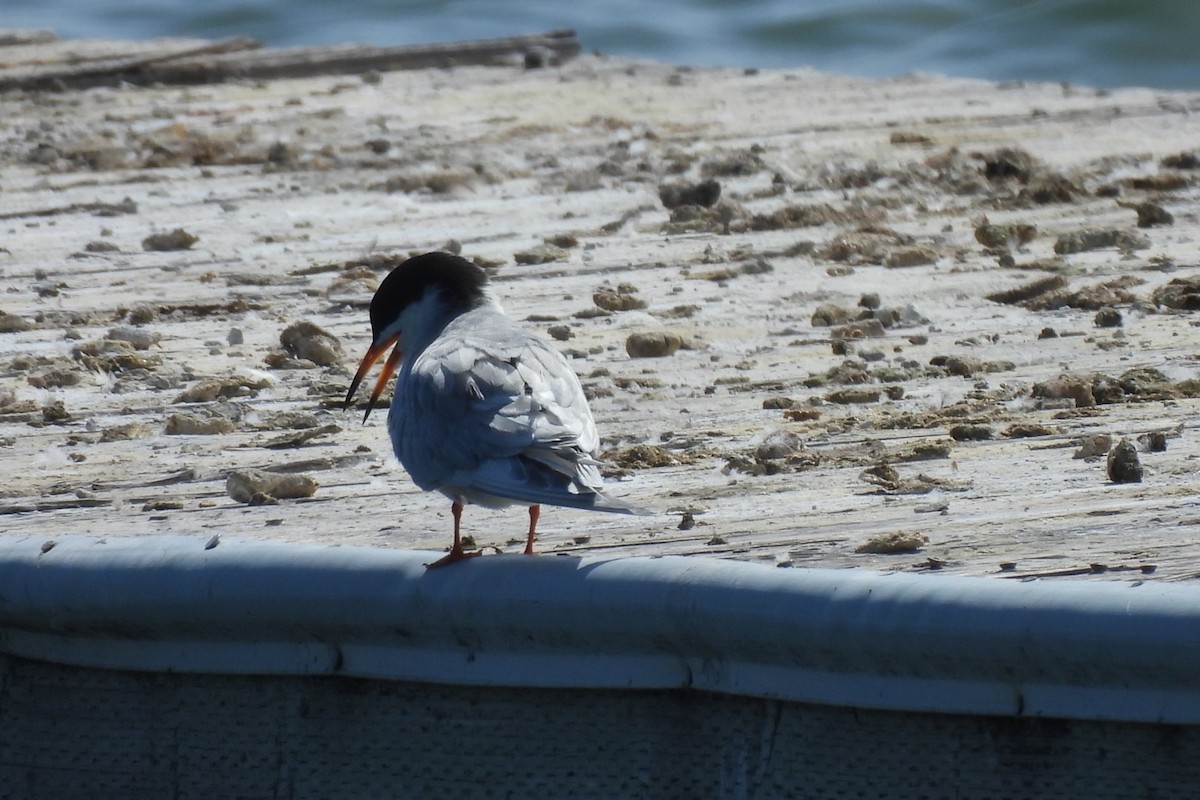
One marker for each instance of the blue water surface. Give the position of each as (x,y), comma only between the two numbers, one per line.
(1105,43)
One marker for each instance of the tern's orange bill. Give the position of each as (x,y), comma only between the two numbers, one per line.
(389,367)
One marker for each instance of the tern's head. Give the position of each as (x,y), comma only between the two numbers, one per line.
(412,304)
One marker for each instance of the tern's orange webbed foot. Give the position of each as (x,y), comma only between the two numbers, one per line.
(453,557)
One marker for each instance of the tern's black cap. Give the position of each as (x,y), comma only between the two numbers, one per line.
(460,282)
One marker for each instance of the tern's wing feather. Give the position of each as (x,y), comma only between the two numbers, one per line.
(486,391)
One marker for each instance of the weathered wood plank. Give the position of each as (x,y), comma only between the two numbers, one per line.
(10,37)
(241,57)
(302,193)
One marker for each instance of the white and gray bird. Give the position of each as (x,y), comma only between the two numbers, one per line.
(483,411)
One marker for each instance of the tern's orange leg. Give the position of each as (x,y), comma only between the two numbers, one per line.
(534,513)
(456,551)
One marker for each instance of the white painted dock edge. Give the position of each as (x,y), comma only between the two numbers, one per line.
(130,664)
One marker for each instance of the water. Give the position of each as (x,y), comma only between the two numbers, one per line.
(1105,43)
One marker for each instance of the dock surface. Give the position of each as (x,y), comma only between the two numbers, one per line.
(906,325)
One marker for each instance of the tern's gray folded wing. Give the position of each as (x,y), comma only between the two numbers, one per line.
(479,400)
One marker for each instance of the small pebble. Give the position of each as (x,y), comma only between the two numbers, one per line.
(55,412)
(1123,463)
(313,343)
(162,504)
(652,345)
(565,240)
(281,153)
(779,444)
(704,194)
(893,543)
(970,433)
(126,431)
(641,456)
(855,395)
(260,487)
(178,239)
(196,425)
(543,253)
(143,314)
(13,323)
(1154,442)
(870,300)
(1152,214)
(1094,446)
(138,338)
(1108,317)
(617,301)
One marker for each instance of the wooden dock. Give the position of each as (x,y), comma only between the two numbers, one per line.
(906,325)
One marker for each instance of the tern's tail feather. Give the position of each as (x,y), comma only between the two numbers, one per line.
(598,501)
(534,483)
(589,501)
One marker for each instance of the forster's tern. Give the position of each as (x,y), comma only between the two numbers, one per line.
(483,411)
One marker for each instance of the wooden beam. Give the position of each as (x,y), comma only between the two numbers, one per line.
(11,37)
(241,57)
